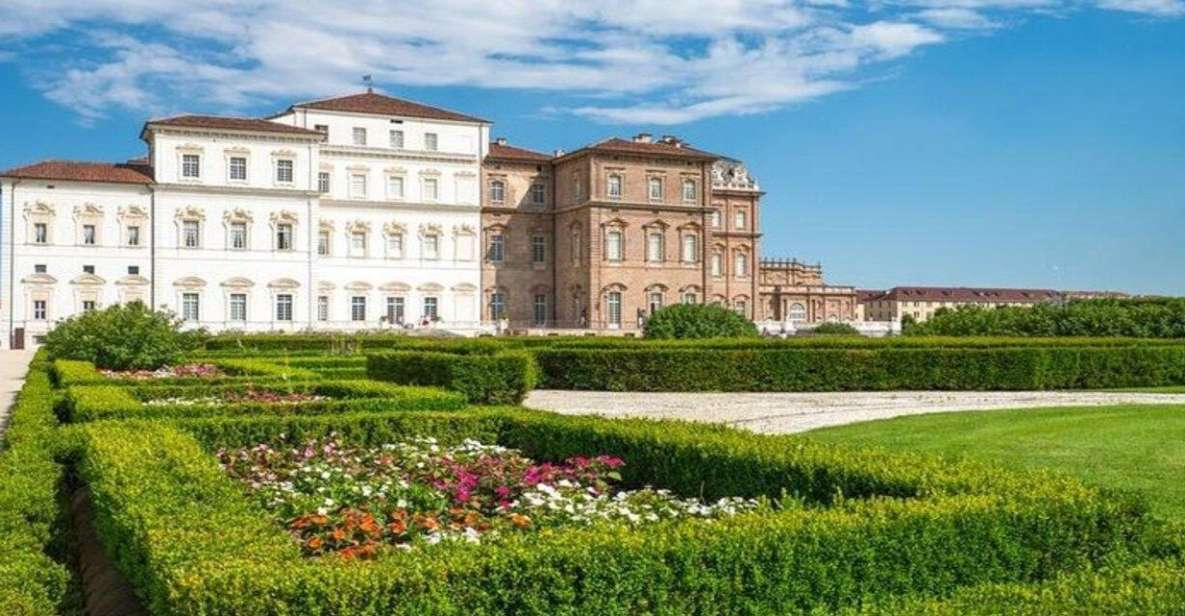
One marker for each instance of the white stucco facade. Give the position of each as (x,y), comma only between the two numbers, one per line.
(257,225)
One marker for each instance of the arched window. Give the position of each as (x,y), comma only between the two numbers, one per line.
(498,191)
(797,313)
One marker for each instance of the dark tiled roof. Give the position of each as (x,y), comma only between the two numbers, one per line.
(866,295)
(509,152)
(223,123)
(381,104)
(656,148)
(75,171)
(968,294)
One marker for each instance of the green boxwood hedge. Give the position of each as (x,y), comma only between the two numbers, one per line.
(766,369)
(500,378)
(33,579)
(94,402)
(192,543)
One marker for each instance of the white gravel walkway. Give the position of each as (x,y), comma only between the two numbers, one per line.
(13,365)
(780,413)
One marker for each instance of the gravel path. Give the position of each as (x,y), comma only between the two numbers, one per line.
(798,412)
(13,365)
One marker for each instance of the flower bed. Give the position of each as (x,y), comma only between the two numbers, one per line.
(250,394)
(356,501)
(195,370)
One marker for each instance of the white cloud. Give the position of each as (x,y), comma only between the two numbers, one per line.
(625,61)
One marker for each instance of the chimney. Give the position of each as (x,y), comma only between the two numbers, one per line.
(642,138)
(559,153)
(500,140)
(672,140)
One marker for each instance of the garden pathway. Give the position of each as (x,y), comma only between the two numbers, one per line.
(782,413)
(13,365)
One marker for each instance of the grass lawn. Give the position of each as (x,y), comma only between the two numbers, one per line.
(1128,447)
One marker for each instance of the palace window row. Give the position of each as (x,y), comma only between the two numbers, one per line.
(655,188)
(498,193)
(395,138)
(496,247)
(191,234)
(656,246)
(394,245)
(283,168)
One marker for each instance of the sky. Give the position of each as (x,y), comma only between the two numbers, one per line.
(1028,143)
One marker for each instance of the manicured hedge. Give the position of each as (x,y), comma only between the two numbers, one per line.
(860,369)
(94,402)
(33,579)
(68,372)
(192,543)
(1144,317)
(502,378)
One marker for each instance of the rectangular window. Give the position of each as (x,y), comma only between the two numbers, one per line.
(497,247)
(397,139)
(357,185)
(613,311)
(88,235)
(323,182)
(238,169)
(742,264)
(395,310)
(395,246)
(740,219)
(358,244)
(39,309)
(191,307)
(430,142)
(430,309)
(133,270)
(191,234)
(537,194)
(323,243)
(40,233)
(654,301)
(359,135)
(238,236)
(715,219)
(322,307)
(431,247)
(88,269)
(283,307)
(497,191)
(431,189)
(322,128)
(613,246)
(191,166)
(284,171)
(538,249)
(613,187)
(358,308)
(497,306)
(40,268)
(283,236)
(238,306)
(395,187)
(654,247)
(88,305)
(539,309)
(133,235)
(655,185)
(717,264)
(690,249)
(690,298)
(688,191)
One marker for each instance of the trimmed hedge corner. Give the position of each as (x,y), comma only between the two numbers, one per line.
(501,378)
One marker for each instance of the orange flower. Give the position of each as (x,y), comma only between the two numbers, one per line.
(314,543)
(519,520)
(397,526)
(339,534)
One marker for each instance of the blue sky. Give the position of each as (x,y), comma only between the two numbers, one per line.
(969,142)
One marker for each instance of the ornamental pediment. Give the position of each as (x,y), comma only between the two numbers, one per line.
(394,228)
(238,214)
(463,229)
(395,287)
(88,210)
(284,216)
(132,212)
(358,226)
(39,208)
(238,282)
(88,280)
(430,228)
(40,278)
(190,212)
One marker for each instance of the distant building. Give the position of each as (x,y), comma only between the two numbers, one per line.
(794,292)
(921,302)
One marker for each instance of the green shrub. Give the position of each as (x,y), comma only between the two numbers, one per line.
(835,329)
(121,337)
(95,402)
(242,370)
(1137,318)
(502,378)
(889,368)
(689,321)
(33,579)
(192,543)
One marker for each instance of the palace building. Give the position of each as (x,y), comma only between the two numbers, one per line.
(368,211)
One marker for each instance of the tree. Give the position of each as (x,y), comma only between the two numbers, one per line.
(122,337)
(690,321)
